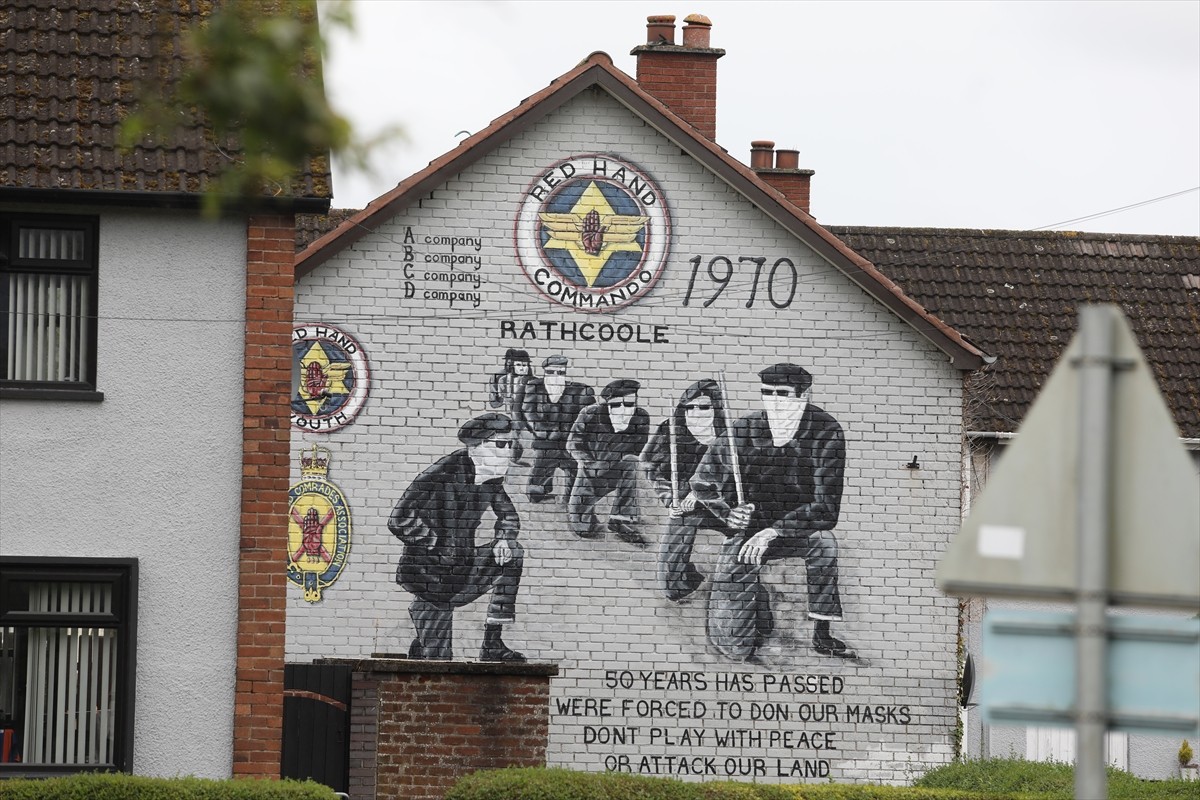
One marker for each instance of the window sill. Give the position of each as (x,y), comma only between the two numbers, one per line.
(73,395)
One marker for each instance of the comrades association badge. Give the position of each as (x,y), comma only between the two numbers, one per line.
(318,527)
(593,233)
(330,378)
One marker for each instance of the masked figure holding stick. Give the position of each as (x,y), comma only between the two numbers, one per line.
(670,459)
(775,481)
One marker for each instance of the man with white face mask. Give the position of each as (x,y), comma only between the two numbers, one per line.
(551,406)
(792,458)
(442,565)
(696,424)
(606,440)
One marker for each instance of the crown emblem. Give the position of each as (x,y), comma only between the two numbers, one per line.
(314,464)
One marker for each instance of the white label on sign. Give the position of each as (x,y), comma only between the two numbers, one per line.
(1001,541)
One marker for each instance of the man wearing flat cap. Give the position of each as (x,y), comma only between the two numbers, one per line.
(791,457)
(551,406)
(442,565)
(606,441)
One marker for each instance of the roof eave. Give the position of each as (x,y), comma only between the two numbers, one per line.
(171,200)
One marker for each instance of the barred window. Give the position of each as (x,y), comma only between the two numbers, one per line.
(48,281)
(66,664)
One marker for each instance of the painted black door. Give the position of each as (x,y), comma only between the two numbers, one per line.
(316,724)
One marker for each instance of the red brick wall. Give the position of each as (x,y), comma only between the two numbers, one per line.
(685,82)
(795,186)
(416,727)
(262,580)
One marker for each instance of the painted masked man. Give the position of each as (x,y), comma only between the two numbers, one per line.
(551,406)
(606,440)
(791,458)
(696,424)
(442,565)
(507,393)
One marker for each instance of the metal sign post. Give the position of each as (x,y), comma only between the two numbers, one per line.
(1095,364)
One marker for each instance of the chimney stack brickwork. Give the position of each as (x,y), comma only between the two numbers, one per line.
(781,170)
(683,77)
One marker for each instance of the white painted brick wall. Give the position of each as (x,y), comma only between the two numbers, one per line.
(592,605)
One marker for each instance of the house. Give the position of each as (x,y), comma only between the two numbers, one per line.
(594,243)
(143,404)
(1016,293)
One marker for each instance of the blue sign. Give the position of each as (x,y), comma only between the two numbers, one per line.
(1027,675)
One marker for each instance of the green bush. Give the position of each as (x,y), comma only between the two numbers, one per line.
(994,779)
(1048,780)
(561,784)
(98,786)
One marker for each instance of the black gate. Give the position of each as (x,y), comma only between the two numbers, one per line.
(316,724)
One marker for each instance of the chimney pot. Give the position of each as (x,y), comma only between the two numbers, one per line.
(787,159)
(660,29)
(684,79)
(761,154)
(697,31)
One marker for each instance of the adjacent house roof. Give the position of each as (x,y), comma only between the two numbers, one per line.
(597,70)
(71,71)
(1016,294)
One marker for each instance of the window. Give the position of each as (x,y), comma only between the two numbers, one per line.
(67,656)
(48,277)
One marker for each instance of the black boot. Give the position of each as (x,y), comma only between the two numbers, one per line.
(627,532)
(494,648)
(827,644)
(416,649)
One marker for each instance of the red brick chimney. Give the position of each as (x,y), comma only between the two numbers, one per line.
(786,175)
(683,77)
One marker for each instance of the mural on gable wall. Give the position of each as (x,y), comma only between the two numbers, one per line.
(597,495)
(771,485)
(318,527)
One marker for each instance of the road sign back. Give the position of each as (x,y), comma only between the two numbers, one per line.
(1019,539)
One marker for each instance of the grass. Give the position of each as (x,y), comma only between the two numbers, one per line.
(1049,780)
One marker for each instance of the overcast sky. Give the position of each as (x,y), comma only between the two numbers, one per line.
(1013,115)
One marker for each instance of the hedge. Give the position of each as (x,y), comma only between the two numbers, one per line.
(993,779)
(561,784)
(111,786)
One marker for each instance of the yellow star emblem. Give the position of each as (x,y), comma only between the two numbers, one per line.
(320,378)
(592,231)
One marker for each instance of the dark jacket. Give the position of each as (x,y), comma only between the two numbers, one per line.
(507,393)
(795,488)
(597,447)
(551,420)
(438,514)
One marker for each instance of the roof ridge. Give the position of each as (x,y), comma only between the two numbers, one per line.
(1011,233)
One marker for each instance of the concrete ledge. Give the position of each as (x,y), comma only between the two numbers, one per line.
(389,663)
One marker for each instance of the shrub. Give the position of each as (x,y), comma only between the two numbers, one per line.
(1048,781)
(561,784)
(994,779)
(109,786)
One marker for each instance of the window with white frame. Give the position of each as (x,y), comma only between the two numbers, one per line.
(48,282)
(67,642)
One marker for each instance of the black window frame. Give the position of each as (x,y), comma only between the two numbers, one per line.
(122,574)
(10,225)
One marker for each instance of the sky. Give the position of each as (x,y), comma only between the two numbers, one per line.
(999,115)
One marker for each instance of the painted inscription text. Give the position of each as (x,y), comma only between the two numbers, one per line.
(797,721)
(584,332)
